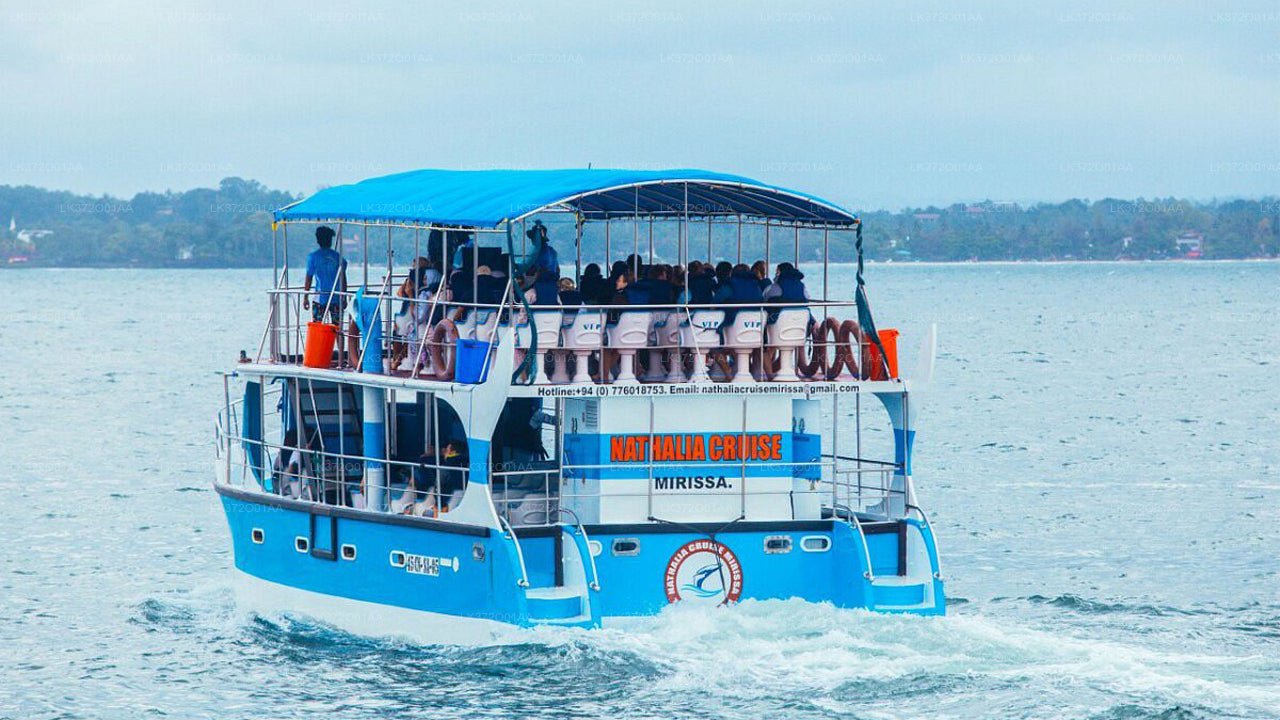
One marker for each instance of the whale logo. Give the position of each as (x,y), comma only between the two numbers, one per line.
(703,570)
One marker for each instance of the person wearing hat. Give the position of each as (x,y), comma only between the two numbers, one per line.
(545,257)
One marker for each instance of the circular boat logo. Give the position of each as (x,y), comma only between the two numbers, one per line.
(704,571)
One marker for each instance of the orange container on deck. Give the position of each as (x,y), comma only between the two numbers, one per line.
(320,340)
(889,339)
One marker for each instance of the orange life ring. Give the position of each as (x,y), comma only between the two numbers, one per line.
(815,363)
(444,334)
(855,351)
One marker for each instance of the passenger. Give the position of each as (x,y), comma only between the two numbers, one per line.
(701,284)
(593,286)
(453,480)
(461,290)
(724,289)
(489,288)
(744,289)
(625,290)
(286,472)
(635,264)
(568,294)
(421,286)
(788,286)
(633,292)
(545,257)
(761,271)
(329,271)
(657,287)
(678,282)
(544,291)
(464,249)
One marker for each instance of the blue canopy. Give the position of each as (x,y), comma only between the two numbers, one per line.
(487,198)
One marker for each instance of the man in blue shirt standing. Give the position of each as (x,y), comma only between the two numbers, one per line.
(329,271)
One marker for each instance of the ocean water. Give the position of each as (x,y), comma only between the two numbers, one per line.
(1100,454)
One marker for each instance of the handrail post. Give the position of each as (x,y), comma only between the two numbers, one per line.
(509,532)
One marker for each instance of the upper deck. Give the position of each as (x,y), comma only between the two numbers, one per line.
(727,312)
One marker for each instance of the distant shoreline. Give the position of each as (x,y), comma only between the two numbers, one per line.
(843,263)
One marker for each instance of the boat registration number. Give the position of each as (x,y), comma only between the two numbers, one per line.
(422,565)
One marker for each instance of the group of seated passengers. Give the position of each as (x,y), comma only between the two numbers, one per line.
(630,282)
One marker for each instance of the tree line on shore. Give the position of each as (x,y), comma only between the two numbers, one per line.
(229,226)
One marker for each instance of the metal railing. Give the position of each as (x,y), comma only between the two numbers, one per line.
(335,478)
(510,534)
(842,491)
(418,339)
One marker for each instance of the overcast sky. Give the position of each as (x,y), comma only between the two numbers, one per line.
(903,104)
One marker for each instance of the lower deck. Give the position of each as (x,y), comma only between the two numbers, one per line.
(567,575)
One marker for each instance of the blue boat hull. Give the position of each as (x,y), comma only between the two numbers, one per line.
(443,582)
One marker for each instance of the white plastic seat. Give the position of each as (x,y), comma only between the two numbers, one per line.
(701,333)
(547,323)
(787,334)
(675,353)
(745,334)
(665,337)
(630,334)
(582,338)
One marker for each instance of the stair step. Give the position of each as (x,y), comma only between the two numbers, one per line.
(897,594)
(554,603)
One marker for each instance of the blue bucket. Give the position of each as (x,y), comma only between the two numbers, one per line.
(472,361)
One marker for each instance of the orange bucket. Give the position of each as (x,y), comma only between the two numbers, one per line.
(320,340)
(889,339)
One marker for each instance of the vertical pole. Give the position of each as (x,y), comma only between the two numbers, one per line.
(766,242)
(226,395)
(388,302)
(375,428)
(649,461)
(797,247)
(708,238)
(635,226)
(437,450)
(577,229)
(607,245)
(417,253)
(275,260)
(742,441)
(682,250)
(365,255)
(650,245)
(559,444)
(826,265)
(288,299)
(739,257)
(835,449)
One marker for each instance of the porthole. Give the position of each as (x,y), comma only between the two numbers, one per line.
(257,536)
(477,552)
(777,544)
(815,543)
(348,552)
(595,547)
(397,558)
(626,546)
(301,544)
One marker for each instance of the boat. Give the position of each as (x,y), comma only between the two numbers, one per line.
(436,439)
